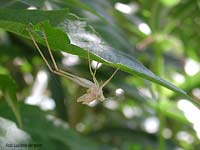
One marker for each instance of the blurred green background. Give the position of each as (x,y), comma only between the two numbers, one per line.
(137,115)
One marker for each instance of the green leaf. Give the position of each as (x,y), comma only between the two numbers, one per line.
(11,4)
(127,138)
(36,3)
(170,2)
(8,86)
(50,3)
(44,128)
(82,39)
(10,134)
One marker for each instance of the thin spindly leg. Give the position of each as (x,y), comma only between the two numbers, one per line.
(81,81)
(91,72)
(87,82)
(43,57)
(52,57)
(39,50)
(49,50)
(96,67)
(45,60)
(108,80)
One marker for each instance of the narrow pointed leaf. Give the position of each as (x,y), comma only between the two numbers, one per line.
(80,38)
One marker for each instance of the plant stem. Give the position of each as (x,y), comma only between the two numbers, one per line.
(159,71)
(162,126)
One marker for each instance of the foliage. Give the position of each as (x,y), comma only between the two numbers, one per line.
(151,43)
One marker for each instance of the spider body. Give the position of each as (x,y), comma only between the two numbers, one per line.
(94,92)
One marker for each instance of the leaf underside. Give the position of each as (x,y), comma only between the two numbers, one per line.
(79,38)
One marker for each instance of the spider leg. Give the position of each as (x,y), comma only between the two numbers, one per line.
(108,80)
(49,50)
(81,81)
(91,72)
(39,50)
(96,68)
